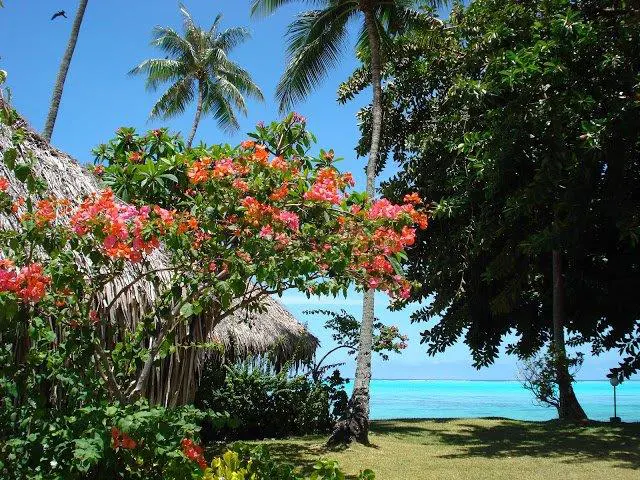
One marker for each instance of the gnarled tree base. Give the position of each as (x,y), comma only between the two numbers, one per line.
(570,409)
(356,426)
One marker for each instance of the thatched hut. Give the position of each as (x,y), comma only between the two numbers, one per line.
(275,333)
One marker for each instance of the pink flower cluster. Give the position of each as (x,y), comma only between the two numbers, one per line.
(384,209)
(325,188)
(290,219)
(120,226)
(29,283)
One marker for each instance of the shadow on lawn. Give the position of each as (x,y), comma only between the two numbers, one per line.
(303,455)
(507,438)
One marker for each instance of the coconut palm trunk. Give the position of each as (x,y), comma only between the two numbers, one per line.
(569,407)
(64,69)
(196,120)
(356,427)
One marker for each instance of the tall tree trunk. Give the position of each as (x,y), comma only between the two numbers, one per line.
(64,69)
(356,426)
(569,408)
(196,120)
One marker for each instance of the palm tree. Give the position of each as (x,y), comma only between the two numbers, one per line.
(197,64)
(316,39)
(62,72)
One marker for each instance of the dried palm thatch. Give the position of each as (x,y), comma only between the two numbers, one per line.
(274,333)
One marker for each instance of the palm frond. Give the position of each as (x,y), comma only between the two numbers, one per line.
(175,100)
(229,91)
(187,20)
(216,23)
(159,70)
(262,8)
(171,42)
(219,105)
(316,40)
(231,38)
(239,77)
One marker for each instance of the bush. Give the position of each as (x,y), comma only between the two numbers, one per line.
(99,441)
(264,403)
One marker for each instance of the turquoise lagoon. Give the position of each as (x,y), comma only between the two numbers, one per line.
(460,398)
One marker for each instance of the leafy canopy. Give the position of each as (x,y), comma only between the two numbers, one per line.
(519,121)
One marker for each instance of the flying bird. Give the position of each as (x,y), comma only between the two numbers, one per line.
(61,13)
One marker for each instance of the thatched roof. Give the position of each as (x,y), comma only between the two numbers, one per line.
(275,332)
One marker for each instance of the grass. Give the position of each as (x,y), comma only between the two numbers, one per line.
(479,449)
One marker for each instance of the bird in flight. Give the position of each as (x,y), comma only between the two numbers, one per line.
(61,13)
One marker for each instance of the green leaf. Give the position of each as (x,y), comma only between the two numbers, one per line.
(9,158)
(22,171)
(186,310)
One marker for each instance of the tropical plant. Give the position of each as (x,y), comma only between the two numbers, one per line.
(97,439)
(152,162)
(316,38)
(520,121)
(346,334)
(242,462)
(64,69)
(198,65)
(265,403)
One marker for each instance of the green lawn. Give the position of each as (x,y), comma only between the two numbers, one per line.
(472,449)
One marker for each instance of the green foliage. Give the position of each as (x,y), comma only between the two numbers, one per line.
(264,403)
(151,165)
(520,122)
(72,371)
(346,334)
(243,462)
(77,442)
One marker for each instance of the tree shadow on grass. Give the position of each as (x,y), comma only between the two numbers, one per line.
(303,455)
(577,443)
(414,427)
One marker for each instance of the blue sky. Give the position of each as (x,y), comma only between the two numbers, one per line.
(99,97)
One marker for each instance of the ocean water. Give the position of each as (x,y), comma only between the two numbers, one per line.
(460,398)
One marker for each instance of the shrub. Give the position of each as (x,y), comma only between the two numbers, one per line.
(99,441)
(265,403)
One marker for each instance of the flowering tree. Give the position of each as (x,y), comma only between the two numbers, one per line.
(251,221)
(244,223)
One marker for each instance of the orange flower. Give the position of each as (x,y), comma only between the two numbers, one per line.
(281,192)
(279,163)
(261,155)
(247,144)
(199,171)
(413,198)
(4,184)
(17,204)
(135,157)
(45,212)
(241,185)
